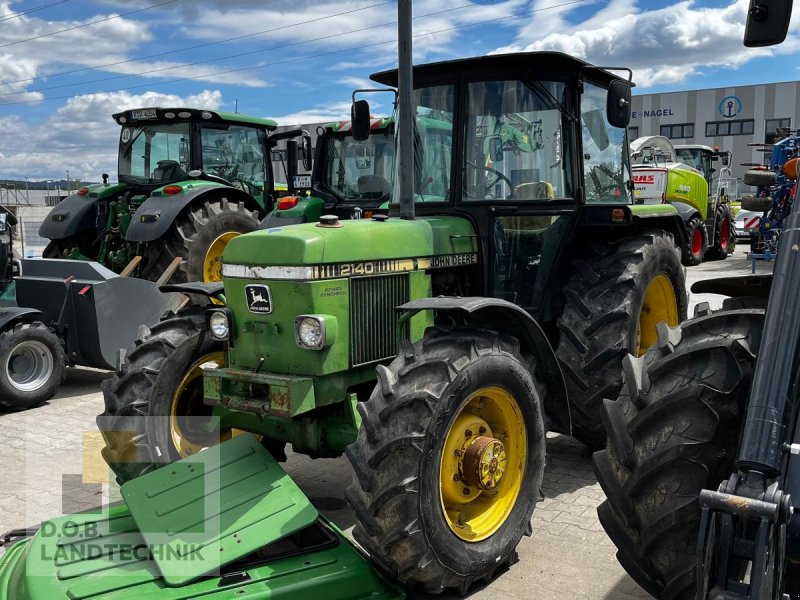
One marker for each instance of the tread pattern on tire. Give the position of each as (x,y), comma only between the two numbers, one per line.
(687,257)
(598,317)
(674,431)
(128,450)
(757,203)
(181,240)
(386,457)
(716,251)
(759,178)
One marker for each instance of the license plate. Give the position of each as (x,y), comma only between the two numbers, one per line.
(302,181)
(143,113)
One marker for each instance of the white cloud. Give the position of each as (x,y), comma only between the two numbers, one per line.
(663,46)
(80,135)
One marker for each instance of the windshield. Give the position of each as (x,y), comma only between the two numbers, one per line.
(154,153)
(696,158)
(360,171)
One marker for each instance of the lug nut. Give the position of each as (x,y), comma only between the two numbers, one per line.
(458,453)
(468,433)
(482,430)
(466,491)
(456,477)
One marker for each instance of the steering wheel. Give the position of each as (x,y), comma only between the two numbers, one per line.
(500,175)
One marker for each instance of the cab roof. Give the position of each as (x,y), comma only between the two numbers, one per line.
(196,113)
(545,64)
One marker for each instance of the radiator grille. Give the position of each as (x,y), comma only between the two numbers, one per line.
(373,318)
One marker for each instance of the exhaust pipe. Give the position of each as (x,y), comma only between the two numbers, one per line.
(405,121)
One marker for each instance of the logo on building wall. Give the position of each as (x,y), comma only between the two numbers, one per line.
(730,107)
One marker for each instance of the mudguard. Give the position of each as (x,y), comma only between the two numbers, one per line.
(155,216)
(735,287)
(72,215)
(686,211)
(506,317)
(11,315)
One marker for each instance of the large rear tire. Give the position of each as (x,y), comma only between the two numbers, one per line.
(200,237)
(449,459)
(32,364)
(158,386)
(695,248)
(673,432)
(760,178)
(618,295)
(723,227)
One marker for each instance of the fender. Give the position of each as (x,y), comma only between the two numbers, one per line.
(686,211)
(672,223)
(308,209)
(12,315)
(155,216)
(72,215)
(509,318)
(736,287)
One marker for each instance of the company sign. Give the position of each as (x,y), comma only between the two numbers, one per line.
(656,112)
(730,107)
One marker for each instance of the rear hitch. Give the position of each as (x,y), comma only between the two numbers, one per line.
(741,547)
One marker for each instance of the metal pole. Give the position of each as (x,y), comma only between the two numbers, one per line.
(405,121)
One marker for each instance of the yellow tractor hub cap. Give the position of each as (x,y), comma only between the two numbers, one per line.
(660,304)
(189,417)
(212,265)
(483,464)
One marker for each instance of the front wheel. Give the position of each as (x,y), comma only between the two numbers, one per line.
(449,459)
(154,410)
(200,238)
(32,365)
(673,432)
(723,220)
(695,247)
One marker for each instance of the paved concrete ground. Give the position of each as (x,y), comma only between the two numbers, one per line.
(568,555)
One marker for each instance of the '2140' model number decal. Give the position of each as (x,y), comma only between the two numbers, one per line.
(398,265)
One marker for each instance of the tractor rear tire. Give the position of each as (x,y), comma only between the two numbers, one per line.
(723,231)
(32,364)
(757,203)
(199,237)
(137,425)
(695,247)
(760,178)
(419,516)
(603,320)
(673,432)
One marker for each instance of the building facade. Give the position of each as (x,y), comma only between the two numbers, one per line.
(733,118)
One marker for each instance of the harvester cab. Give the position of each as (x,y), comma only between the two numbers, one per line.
(683,176)
(190,180)
(435,342)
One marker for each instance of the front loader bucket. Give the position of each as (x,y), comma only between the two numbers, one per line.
(192,530)
(96,311)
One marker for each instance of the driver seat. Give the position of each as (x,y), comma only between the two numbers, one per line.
(373,187)
(535,190)
(167,170)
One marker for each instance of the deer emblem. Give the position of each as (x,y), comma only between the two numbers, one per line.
(258,299)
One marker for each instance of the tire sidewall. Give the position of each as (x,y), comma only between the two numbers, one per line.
(10,339)
(478,557)
(695,224)
(170,374)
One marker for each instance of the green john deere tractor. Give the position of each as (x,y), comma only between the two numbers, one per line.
(190,180)
(435,348)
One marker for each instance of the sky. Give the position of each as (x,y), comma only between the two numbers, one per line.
(67,65)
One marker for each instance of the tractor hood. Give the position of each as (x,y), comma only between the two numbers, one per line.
(310,244)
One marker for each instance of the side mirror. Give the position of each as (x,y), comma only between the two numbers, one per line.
(618,103)
(307,152)
(726,160)
(767,22)
(359,118)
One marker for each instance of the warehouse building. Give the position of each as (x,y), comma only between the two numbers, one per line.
(732,118)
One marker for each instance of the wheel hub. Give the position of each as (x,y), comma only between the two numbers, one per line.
(30,366)
(483,463)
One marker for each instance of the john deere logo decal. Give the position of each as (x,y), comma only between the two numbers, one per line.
(259,299)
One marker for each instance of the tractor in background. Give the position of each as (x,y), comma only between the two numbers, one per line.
(437,341)
(190,180)
(683,177)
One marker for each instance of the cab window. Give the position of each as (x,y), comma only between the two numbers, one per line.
(514,142)
(605,157)
(236,153)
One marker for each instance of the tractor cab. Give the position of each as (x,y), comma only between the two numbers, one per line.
(7,222)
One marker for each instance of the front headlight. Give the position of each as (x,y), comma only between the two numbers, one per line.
(315,332)
(219,324)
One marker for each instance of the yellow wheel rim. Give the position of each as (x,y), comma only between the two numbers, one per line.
(189,417)
(483,464)
(212,265)
(660,304)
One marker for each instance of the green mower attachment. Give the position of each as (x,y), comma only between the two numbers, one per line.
(227,522)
